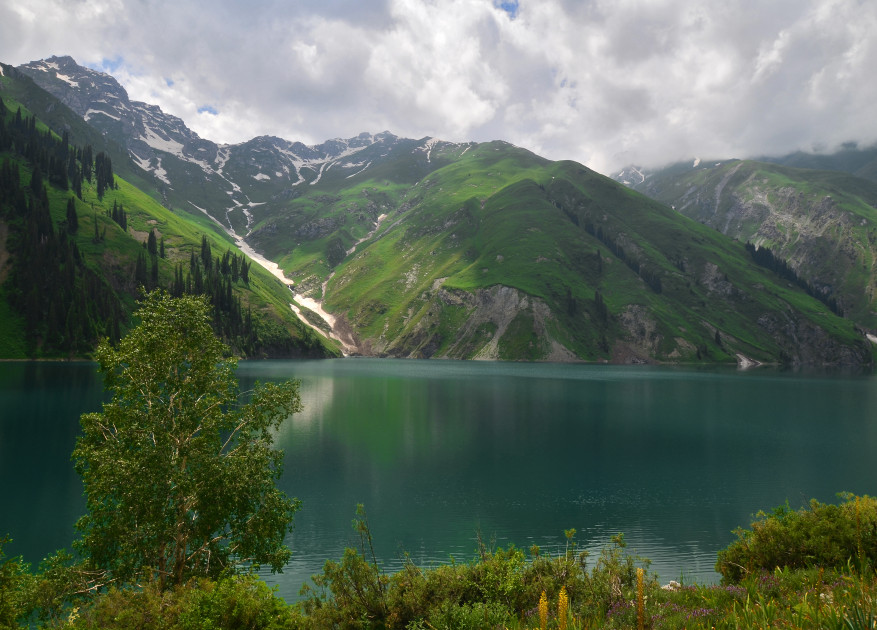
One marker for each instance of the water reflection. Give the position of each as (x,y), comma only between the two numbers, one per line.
(438,451)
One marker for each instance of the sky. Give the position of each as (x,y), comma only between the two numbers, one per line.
(607,83)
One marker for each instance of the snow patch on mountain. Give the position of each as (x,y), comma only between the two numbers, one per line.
(67,79)
(204,165)
(89,113)
(427,147)
(320,174)
(160,173)
(141,162)
(261,176)
(229,231)
(359,171)
(222,156)
(321,158)
(161,144)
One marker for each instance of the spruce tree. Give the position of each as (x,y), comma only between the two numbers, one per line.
(72,218)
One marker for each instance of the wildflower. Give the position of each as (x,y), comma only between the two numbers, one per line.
(562,608)
(543,611)
(640,608)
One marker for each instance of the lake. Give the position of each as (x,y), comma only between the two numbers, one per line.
(439,451)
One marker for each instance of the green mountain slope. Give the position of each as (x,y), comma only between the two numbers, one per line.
(63,288)
(498,253)
(822,224)
(20,88)
(424,248)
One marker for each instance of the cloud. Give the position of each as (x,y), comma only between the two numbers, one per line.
(601,82)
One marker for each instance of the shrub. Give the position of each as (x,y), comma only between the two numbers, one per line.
(14,584)
(823,535)
(238,602)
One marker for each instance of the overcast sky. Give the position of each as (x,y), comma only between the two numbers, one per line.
(604,82)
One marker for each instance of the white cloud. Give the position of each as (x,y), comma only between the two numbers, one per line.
(603,82)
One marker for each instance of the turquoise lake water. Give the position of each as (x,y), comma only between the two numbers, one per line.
(438,451)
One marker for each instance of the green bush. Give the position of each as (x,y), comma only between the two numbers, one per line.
(822,535)
(243,602)
(15,581)
(498,587)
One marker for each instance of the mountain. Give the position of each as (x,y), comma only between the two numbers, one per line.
(852,159)
(77,241)
(821,224)
(502,254)
(229,182)
(424,248)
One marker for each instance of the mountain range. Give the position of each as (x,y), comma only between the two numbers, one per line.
(425,248)
(819,220)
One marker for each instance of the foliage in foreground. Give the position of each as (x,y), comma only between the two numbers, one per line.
(178,470)
(821,535)
(502,588)
(801,599)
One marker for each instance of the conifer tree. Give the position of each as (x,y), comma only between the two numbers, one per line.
(87,163)
(140,274)
(72,219)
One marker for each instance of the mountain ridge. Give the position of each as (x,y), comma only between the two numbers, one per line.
(424,248)
(821,223)
(163,146)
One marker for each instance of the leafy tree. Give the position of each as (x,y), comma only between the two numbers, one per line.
(178,472)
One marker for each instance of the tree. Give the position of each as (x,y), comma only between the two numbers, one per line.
(103,170)
(178,472)
(72,218)
(140,273)
(152,243)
